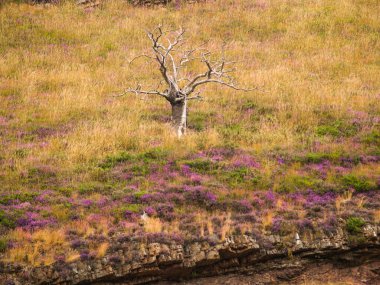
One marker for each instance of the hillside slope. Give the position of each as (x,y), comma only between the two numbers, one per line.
(78,166)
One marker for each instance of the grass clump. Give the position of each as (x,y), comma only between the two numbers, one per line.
(93,187)
(199,121)
(241,176)
(154,154)
(5,221)
(373,138)
(359,183)
(337,129)
(3,244)
(315,157)
(135,208)
(292,183)
(200,165)
(113,160)
(354,225)
(20,197)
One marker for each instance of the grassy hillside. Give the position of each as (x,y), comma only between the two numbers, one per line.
(78,165)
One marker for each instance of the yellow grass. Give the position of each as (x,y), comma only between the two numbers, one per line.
(102,249)
(344,198)
(226,226)
(72,256)
(62,65)
(377,216)
(153,225)
(267,219)
(38,248)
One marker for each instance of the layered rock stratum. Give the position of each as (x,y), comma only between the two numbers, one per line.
(240,259)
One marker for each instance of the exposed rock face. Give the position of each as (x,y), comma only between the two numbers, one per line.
(93,3)
(160,2)
(271,257)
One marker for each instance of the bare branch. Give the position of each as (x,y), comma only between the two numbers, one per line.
(171,60)
(140,56)
(138,90)
(195,97)
(228,84)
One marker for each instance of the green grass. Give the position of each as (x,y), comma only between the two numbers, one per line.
(359,183)
(354,225)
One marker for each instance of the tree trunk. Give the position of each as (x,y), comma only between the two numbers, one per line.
(179,117)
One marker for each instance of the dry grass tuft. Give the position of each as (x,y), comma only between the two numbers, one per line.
(344,198)
(267,219)
(153,225)
(30,246)
(102,249)
(226,226)
(377,216)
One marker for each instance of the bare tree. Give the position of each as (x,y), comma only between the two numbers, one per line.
(173,62)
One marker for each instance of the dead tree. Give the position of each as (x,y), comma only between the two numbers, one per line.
(173,61)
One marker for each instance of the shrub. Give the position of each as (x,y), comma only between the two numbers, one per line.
(354,225)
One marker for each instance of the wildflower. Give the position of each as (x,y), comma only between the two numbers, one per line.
(243,206)
(245,161)
(87,203)
(150,211)
(277,224)
(304,225)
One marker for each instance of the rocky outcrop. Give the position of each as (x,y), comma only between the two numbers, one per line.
(160,2)
(147,3)
(132,262)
